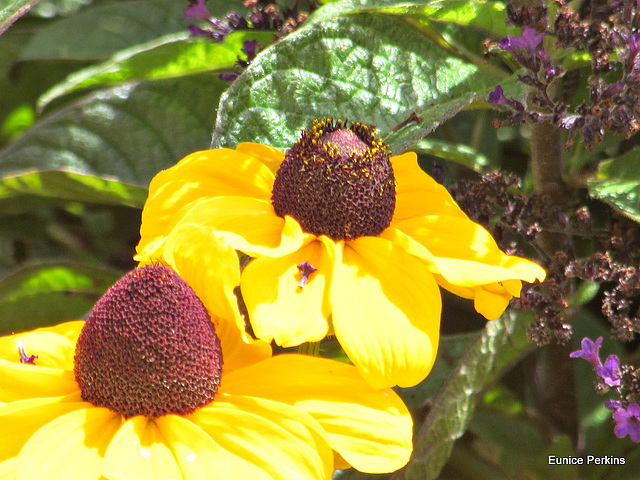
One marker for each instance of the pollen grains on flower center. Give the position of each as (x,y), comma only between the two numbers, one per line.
(337,180)
(149,347)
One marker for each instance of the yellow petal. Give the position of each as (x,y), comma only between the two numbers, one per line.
(247,224)
(488,304)
(386,312)
(211,269)
(7,468)
(264,440)
(201,175)
(71,447)
(418,194)
(168,447)
(371,429)
(278,307)
(194,450)
(268,155)
(23,381)
(464,253)
(21,419)
(53,350)
(138,450)
(70,330)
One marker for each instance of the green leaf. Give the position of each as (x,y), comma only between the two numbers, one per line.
(22,192)
(123,135)
(99,32)
(368,68)
(173,55)
(618,183)
(502,343)
(10,11)
(49,293)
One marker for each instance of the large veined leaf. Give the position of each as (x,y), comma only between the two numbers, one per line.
(173,55)
(49,293)
(123,135)
(369,68)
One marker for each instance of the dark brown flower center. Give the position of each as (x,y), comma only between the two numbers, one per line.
(337,180)
(149,347)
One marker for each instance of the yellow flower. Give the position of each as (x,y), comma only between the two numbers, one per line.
(136,392)
(347,241)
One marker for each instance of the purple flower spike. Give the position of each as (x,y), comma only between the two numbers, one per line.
(590,351)
(610,373)
(497,97)
(197,10)
(627,422)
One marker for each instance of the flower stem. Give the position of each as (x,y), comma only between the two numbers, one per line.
(310,348)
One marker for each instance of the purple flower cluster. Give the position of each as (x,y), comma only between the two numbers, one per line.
(609,35)
(626,414)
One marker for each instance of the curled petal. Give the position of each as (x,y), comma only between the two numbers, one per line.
(198,176)
(247,224)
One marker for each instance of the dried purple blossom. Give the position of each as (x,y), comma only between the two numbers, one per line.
(627,422)
(590,351)
(610,372)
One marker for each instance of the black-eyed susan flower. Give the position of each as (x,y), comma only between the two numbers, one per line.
(346,239)
(149,387)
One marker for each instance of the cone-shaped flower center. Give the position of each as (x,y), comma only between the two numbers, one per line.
(337,180)
(149,347)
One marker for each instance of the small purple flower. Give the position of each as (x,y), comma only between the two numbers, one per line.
(590,351)
(305,269)
(627,422)
(497,97)
(528,42)
(197,10)
(249,49)
(526,49)
(610,372)
(612,404)
(199,32)
(24,358)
